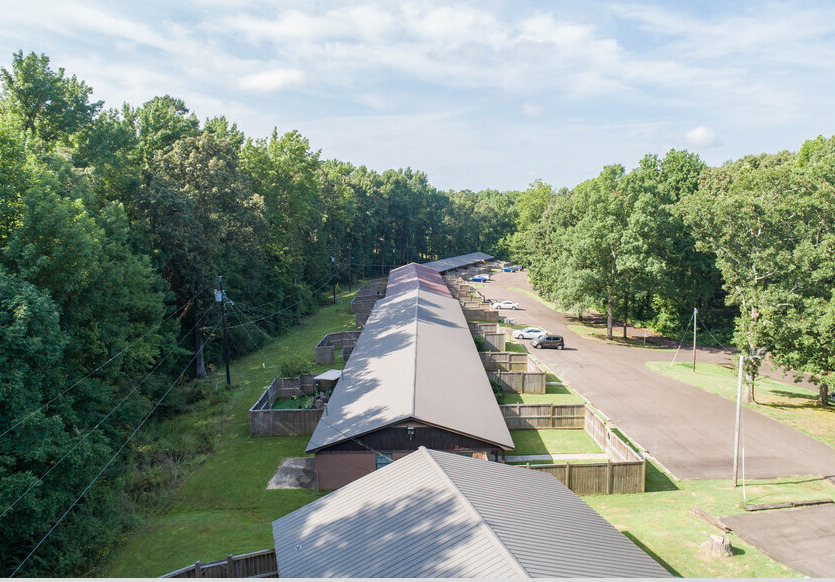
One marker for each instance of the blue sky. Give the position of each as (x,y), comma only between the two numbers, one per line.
(487,94)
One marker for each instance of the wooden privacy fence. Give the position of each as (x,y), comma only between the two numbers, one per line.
(494,337)
(264,421)
(284,422)
(255,565)
(514,371)
(535,416)
(598,478)
(507,362)
(326,348)
(481,314)
(624,472)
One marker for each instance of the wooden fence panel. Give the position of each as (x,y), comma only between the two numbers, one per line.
(288,422)
(254,565)
(533,416)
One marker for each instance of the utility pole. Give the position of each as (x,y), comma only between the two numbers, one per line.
(738,416)
(333,277)
(695,327)
(221,296)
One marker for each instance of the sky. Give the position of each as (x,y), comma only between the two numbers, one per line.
(487,94)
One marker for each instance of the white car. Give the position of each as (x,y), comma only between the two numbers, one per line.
(527,333)
(505,305)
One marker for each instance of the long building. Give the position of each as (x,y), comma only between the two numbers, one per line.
(414,379)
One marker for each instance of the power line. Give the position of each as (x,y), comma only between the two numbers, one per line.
(160,324)
(283,309)
(105,417)
(116,454)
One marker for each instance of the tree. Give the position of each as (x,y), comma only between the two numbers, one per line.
(750,214)
(50,106)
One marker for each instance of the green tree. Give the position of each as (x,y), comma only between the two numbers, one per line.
(50,106)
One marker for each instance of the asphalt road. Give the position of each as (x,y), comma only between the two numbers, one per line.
(687,430)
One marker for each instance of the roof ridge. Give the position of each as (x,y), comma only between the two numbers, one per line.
(523,572)
(416,322)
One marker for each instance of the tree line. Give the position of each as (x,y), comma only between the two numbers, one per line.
(115,225)
(749,244)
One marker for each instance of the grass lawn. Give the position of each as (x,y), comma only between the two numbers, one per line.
(660,522)
(553,394)
(224,506)
(553,441)
(785,402)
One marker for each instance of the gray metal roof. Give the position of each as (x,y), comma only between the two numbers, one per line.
(415,360)
(434,515)
(458,262)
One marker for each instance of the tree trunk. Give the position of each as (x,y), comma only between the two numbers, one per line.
(823,391)
(625,311)
(749,387)
(199,361)
(610,310)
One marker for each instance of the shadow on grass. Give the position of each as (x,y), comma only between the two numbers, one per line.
(658,480)
(806,401)
(554,389)
(652,554)
(527,442)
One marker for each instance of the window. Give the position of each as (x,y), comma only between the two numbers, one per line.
(383,460)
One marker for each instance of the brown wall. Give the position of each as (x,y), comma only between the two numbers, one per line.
(334,470)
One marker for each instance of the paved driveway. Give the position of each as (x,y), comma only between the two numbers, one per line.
(803,539)
(687,430)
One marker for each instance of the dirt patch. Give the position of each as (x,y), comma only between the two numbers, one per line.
(294,473)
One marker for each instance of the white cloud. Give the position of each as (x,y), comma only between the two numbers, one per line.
(700,137)
(532,110)
(273,80)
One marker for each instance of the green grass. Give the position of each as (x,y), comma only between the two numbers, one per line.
(785,402)
(660,521)
(553,442)
(224,506)
(300,402)
(553,394)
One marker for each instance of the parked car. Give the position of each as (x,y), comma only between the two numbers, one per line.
(527,333)
(512,268)
(480,278)
(548,341)
(507,304)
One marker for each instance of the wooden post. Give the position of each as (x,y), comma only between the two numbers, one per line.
(230,566)
(568,475)
(197,569)
(609,477)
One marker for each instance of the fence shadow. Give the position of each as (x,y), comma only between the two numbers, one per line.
(658,480)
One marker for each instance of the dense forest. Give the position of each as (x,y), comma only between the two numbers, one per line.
(117,224)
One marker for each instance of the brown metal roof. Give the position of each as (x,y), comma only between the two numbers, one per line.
(415,359)
(414,276)
(434,515)
(444,265)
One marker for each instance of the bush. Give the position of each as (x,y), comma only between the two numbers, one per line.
(292,366)
(479,342)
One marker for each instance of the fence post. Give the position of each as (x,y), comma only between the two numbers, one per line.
(609,476)
(230,566)
(568,475)
(197,569)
